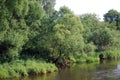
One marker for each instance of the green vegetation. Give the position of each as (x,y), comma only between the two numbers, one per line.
(21,68)
(34,37)
(112,54)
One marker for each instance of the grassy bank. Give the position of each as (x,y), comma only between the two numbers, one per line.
(21,68)
(89,58)
(111,54)
(94,57)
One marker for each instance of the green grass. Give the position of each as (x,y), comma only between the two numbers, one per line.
(89,58)
(20,68)
(109,54)
(92,59)
(112,54)
(38,67)
(81,60)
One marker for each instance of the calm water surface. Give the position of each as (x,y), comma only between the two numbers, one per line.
(94,71)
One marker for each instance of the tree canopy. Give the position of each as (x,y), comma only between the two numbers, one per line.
(34,29)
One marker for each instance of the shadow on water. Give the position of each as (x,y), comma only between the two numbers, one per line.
(108,70)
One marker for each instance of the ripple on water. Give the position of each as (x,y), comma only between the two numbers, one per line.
(108,74)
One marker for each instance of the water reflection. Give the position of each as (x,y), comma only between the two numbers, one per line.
(51,76)
(109,70)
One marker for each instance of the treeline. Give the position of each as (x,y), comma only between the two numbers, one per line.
(33,29)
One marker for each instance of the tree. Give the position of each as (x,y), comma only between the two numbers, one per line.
(90,23)
(34,17)
(13,29)
(18,8)
(64,10)
(102,38)
(68,32)
(48,6)
(113,16)
(35,21)
(62,39)
(59,37)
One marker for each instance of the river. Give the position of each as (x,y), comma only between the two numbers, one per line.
(109,70)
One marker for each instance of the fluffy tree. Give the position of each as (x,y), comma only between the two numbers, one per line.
(113,16)
(102,38)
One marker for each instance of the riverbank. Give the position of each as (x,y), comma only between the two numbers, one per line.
(23,68)
(19,68)
(112,54)
(94,57)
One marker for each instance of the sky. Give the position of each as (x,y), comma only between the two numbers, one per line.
(99,7)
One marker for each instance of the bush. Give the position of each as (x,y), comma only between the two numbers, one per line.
(3,72)
(92,59)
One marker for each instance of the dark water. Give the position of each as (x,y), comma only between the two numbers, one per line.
(94,71)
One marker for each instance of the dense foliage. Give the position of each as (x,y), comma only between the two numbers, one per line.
(33,29)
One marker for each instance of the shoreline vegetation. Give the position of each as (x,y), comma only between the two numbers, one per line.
(25,68)
(21,68)
(37,39)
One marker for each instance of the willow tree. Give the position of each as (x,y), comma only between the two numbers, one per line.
(34,23)
(90,23)
(12,28)
(34,17)
(63,38)
(103,38)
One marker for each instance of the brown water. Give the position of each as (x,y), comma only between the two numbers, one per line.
(94,71)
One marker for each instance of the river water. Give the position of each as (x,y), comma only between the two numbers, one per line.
(109,70)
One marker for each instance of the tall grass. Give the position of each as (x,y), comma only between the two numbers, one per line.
(112,54)
(89,58)
(37,67)
(20,68)
(92,59)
